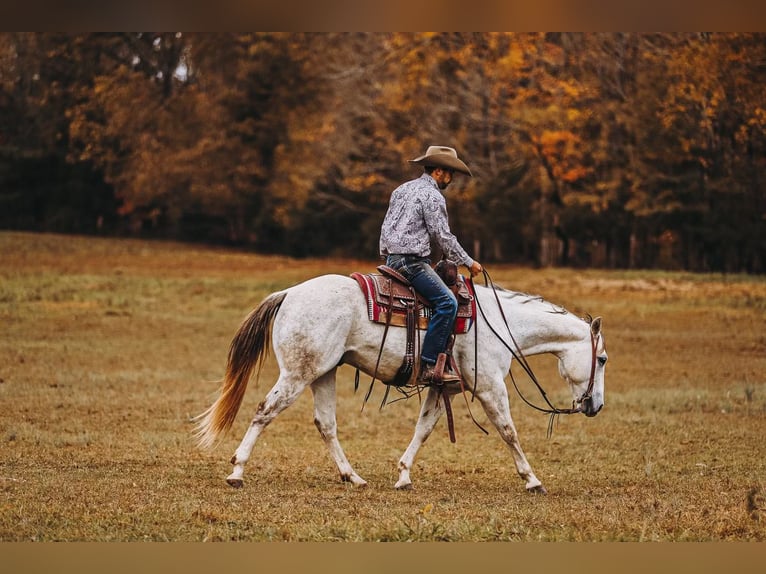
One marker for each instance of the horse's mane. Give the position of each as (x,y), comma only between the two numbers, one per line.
(521,298)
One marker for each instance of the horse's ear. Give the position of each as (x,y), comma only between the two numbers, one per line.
(595,326)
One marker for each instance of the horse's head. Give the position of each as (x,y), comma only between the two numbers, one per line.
(582,366)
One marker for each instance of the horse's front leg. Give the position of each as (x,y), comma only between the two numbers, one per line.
(430,412)
(496,405)
(324,419)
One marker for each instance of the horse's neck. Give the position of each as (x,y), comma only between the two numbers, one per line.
(537,326)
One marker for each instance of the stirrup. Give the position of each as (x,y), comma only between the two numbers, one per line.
(438,374)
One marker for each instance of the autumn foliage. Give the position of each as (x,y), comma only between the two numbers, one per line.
(596,149)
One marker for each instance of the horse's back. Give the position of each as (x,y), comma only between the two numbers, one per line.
(325,288)
(324,299)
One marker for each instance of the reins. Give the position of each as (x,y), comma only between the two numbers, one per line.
(519,356)
(515,351)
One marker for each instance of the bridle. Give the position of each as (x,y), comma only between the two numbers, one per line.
(519,356)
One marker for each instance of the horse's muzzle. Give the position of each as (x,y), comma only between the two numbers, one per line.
(589,409)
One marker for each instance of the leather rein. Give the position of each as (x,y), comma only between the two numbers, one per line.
(519,356)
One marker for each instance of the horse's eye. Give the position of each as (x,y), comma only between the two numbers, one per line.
(602,361)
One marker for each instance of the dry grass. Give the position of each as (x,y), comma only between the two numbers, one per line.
(108,347)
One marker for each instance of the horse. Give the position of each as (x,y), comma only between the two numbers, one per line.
(322,323)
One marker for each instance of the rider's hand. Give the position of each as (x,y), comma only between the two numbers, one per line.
(475,269)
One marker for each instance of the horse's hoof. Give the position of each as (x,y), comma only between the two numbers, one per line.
(235,482)
(405,486)
(354,479)
(539,489)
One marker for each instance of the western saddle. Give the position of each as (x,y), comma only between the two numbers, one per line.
(392,300)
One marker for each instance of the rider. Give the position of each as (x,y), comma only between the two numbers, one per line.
(417,215)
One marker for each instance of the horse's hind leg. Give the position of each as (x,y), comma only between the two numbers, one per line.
(324,419)
(495,403)
(430,412)
(281,396)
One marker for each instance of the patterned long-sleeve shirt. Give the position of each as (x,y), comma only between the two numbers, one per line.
(417,214)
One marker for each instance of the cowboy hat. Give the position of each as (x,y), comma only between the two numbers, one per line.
(442,156)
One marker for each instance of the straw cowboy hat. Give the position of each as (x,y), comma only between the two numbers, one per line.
(442,156)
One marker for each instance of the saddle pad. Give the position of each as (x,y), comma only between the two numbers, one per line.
(378,290)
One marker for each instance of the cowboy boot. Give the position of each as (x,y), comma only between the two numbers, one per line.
(426,376)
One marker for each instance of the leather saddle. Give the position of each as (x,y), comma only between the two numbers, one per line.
(390,296)
(392,300)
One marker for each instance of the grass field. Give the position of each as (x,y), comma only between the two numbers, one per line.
(109,347)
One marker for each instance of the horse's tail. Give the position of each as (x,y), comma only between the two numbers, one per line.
(248,350)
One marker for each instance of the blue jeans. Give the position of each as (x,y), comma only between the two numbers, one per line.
(430,286)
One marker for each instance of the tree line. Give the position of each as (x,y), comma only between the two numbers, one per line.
(618,150)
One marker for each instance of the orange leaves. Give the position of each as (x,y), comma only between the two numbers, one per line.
(364,182)
(562,151)
(261,125)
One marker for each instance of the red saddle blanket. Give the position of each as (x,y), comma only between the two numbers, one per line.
(381,290)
